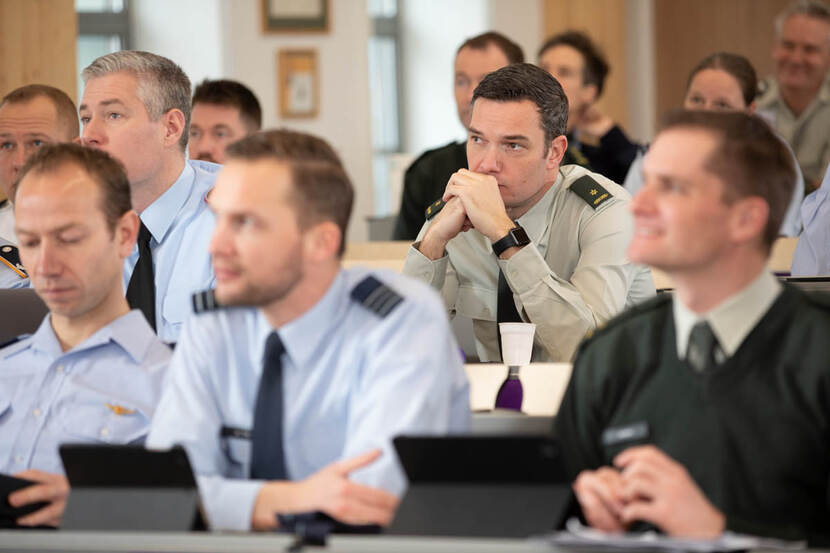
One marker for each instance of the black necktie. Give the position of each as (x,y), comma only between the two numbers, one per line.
(506,307)
(141,291)
(701,351)
(267,458)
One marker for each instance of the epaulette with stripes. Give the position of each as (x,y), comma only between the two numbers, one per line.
(10,257)
(376,296)
(591,191)
(205,301)
(14,340)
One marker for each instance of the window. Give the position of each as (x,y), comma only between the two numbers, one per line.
(103,28)
(386,93)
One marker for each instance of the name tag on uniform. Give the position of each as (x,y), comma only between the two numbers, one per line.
(635,432)
(231,432)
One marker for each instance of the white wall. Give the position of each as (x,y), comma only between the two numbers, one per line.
(188,32)
(432,30)
(343,119)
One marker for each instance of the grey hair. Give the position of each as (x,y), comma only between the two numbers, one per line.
(811,8)
(162,85)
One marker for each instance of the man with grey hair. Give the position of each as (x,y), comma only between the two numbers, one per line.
(136,107)
(796,101)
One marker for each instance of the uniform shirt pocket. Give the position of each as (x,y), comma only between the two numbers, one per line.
(476,303)
(90,415)
(176,307)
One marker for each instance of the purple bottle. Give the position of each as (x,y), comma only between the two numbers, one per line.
(510,393)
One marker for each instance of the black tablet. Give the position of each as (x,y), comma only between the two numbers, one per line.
(129,488)
(483,486)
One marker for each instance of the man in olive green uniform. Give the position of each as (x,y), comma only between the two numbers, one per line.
(425,179)
(711,405)
(546,244)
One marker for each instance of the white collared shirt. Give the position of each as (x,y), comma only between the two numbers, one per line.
(732,320)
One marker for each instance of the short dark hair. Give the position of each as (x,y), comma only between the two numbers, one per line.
(224,92)
(737,66)
(511,50)
(596,67)
(65,109)
(525,81)
(104,169)
(322,189)
(750,159)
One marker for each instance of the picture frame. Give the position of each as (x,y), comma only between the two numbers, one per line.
(287,16)
(298,85)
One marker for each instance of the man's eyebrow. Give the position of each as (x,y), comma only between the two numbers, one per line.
(514,137)
(103,103)
(475,131)
(68,226)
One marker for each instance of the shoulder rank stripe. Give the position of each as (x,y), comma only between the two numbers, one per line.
(14,340)
(434,208)
(205,301)
(591,191)
(376,296)
(10,257)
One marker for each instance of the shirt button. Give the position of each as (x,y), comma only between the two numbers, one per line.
(60,368)
(36,412)
(105,432)
(19,459)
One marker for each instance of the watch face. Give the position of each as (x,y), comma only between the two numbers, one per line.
(520,236)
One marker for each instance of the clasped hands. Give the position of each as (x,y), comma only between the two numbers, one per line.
(647,485)
(472,200)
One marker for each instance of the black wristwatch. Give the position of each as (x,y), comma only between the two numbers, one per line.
(516,237)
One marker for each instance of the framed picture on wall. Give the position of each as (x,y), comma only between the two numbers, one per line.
(298,85)
(295,16)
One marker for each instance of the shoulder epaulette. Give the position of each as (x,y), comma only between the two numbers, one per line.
(434,208)
(10,257)
(591,191)
(14,340)
(651,304)
(376,296)
(205,301)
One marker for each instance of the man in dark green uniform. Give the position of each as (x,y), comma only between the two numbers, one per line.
(426,178)
(707,410)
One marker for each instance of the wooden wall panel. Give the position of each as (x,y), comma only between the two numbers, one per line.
(38,44)
(689,30)
(605,22)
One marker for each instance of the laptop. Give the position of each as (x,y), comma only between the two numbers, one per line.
(482,486)
(129,488)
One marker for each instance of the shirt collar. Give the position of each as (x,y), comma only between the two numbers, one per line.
(158,217)
(733,319)
(302,336)
(129,331)
(536,220)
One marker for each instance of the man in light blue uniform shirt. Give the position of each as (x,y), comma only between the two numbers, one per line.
(364,356)
(136,107)
(93,370)
(812,253)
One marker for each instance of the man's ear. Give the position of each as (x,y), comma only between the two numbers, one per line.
(556,151)
(749,219)
(322,241)
(126,232)
(173,126)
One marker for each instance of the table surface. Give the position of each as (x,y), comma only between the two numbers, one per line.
(204,542)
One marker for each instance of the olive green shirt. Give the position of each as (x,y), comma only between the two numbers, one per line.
(572,277)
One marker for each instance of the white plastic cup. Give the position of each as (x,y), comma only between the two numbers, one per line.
(516,343)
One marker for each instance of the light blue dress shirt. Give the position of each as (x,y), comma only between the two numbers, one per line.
(792,224)
(8,277)
(812,253)
(181,224)
(104,390)
(352,380)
